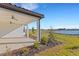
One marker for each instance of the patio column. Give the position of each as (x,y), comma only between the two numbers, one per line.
(27,31)
(38,31)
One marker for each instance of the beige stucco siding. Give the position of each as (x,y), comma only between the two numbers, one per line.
(16,33)
(6,28)
(18,20)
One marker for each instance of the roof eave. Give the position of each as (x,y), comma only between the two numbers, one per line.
(21,10)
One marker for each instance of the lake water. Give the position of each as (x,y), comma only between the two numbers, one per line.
(69,32)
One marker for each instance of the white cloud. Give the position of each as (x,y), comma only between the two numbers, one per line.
(29,6)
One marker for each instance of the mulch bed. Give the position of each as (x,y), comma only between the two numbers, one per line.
(32,51)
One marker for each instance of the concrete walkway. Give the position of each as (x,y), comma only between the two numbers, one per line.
(7,44)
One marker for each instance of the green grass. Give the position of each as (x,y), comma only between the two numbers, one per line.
(65,49)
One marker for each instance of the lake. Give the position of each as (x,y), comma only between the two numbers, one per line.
(69,32)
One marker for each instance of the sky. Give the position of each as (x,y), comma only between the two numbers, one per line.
(57,15)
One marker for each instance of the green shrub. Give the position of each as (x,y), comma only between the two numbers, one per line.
(36,45)
(24,51)
(44,40)
(51,37)
(33,30)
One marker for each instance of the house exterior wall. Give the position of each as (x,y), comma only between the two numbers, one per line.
(11,20)
(11,30)
(16,33)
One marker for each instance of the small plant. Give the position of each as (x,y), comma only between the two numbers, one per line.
(51,37)
(36,45)
(44,40)
(33,30)
(24,51)
(8,51)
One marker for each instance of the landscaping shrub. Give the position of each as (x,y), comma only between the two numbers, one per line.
(51,37)
(33,30)
(32,35)
(44,40)
(24,51)
(36,45)
(8,51)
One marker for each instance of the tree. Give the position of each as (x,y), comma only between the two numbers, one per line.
(33,30)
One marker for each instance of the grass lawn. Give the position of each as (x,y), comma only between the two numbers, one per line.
(69,46)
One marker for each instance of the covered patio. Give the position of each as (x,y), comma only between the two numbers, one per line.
(12,21)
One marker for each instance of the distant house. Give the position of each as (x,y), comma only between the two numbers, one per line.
(12,21)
